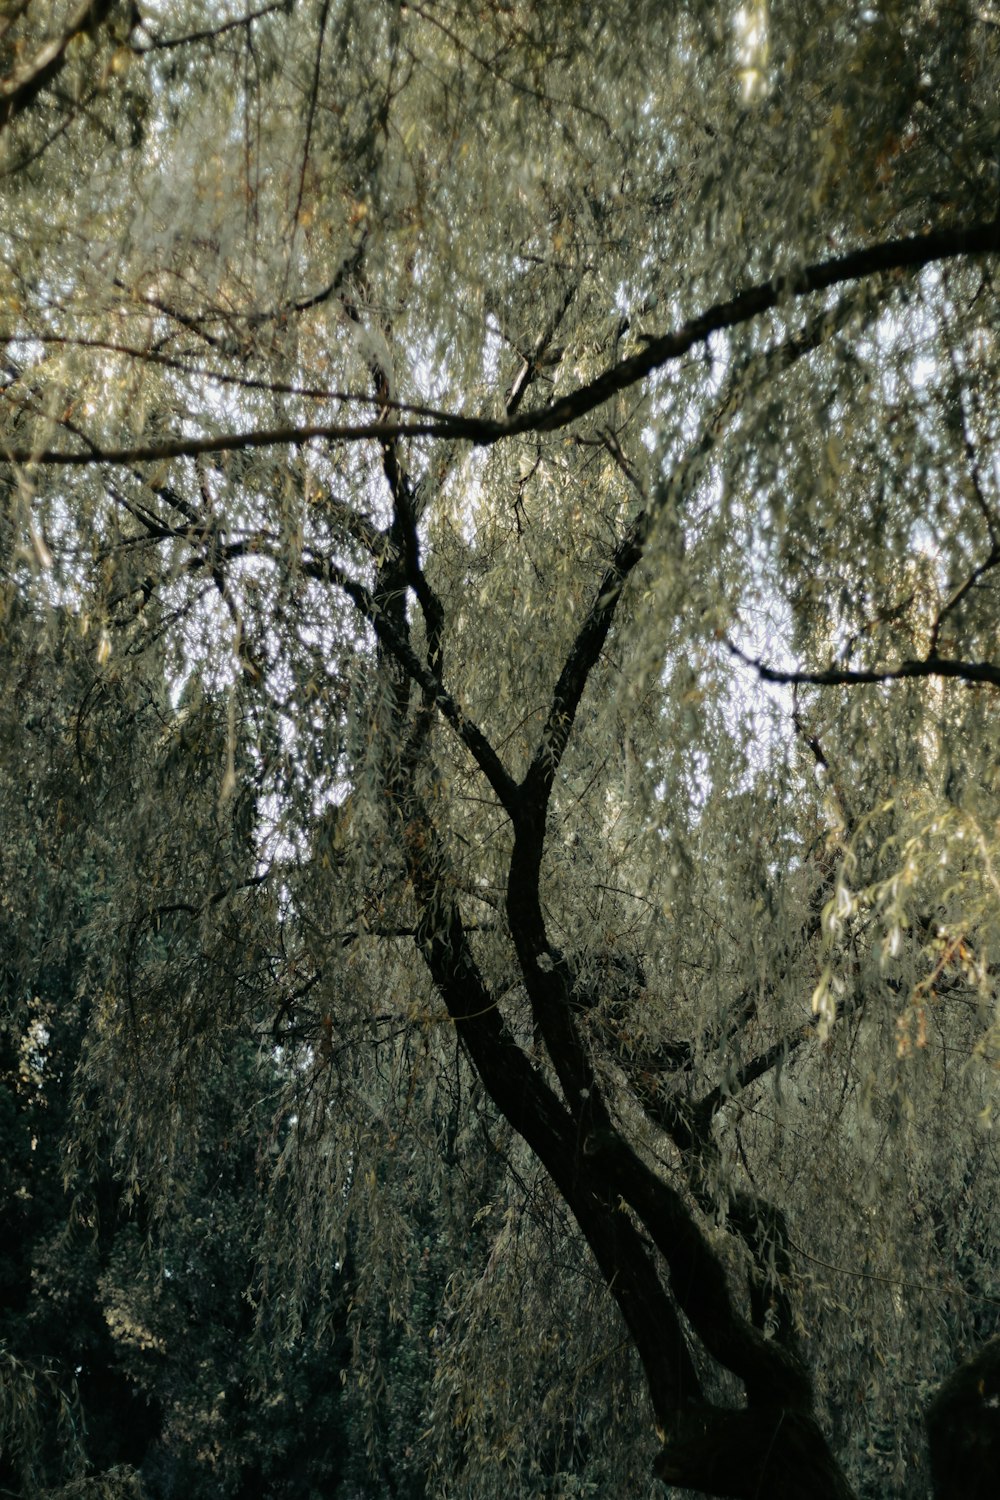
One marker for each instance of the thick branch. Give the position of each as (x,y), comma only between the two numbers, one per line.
(531,1107)
(593,633)
(550,983)
(929,666)
(20,88)
(910,254)
(771,1375)
(581,659)
(752,1070)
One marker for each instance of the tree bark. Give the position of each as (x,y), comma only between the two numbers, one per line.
(771,1452)
(963,1429)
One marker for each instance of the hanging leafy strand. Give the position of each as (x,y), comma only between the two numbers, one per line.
(499,618)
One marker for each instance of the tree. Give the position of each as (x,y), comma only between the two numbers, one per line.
(590,531)
(123,1331)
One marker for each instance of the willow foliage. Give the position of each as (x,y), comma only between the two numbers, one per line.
(500,529)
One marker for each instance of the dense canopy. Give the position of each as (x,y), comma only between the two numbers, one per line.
(500,885)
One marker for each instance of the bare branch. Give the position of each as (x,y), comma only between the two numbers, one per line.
(930,666)
(20,88)
(903,255)
(158,43)
(532,362)
(593,632)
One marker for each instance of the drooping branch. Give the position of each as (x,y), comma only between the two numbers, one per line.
(516,85)
(233,377)
(311,102)
(910,254)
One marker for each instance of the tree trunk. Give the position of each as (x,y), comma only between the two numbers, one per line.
(963,1429)
(775,1452)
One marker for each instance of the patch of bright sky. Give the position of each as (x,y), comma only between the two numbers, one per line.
(752,46)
